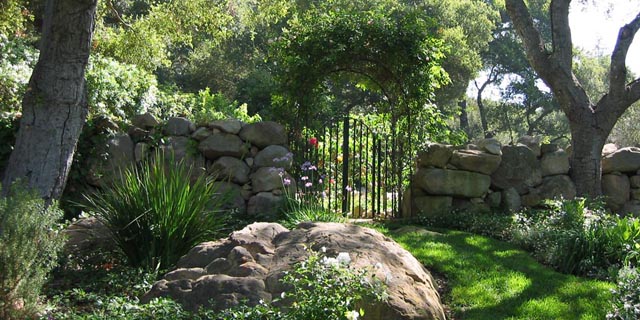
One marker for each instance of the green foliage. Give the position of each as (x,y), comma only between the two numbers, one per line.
(119,91)
(216,106)
(13,17)
(30,241)
(17,59)
(626,297)
(156,214)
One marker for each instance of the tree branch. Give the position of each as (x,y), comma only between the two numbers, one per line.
(532,39)
(560,32)
(618,69)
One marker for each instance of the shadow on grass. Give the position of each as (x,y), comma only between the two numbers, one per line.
(489,279)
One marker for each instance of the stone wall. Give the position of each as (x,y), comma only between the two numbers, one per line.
(488,176)
(248,161)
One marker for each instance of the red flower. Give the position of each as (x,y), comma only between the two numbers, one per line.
(313,141)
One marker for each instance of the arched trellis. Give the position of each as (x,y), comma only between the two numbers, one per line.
(392,53)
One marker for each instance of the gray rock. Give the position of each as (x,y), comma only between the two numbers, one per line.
(631,208)
(452,182)
(265,205)
(475,161)
(230,197)
(532,143)
(268,179)
(557,186)
(141,151)
(230,169)
(145,121)
(616,188)
(548,148)
(494,199)
(622,160)
(433,206)
(511,200)
(518,169)
(635,181)
(263,134)
(274,156)
(250,263)
(138,134)
(222,144)
(228,126)
(201,134)
(435,155)
(635,194)
(179,126)
(119,154)
(553,163)
(490,145)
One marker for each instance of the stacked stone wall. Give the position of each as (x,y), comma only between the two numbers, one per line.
(248,161)
(488,176)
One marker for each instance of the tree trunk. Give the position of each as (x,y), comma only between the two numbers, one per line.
(464,118)
(54,107)
(586,159)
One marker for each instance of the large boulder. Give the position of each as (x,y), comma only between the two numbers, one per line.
(490,145)
(118,154)
(432,206)
(532,143)
(552,187)
(145,121)
(263,134)
(268,179)
(553,163)
(228,126)
(265,205)
(622,160)
(475,161)
(435,155)
(230,198)
(518,169)
(179,126)
(222,144)
(616,188)
(248,265)
(459,183)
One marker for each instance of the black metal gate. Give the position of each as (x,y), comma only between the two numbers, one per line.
(354,168)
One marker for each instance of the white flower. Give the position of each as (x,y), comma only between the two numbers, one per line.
(352,315)
(344,258)
(323,249)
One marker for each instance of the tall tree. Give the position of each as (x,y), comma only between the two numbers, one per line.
(590,122)
(54,107)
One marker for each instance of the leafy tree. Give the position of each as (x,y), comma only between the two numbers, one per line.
(590,122)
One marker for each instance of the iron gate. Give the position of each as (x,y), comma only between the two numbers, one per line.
(351,167)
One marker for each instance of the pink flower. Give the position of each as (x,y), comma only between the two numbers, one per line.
(286,181)
(308,184)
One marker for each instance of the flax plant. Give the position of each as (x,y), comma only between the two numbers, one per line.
(156,212)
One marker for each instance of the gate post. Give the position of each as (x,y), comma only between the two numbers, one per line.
(345,165)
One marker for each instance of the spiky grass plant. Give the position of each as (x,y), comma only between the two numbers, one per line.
(156,212)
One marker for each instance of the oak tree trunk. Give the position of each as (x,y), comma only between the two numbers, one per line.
(54,107)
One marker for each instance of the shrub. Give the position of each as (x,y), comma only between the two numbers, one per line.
(626,297)
(29,245)
(156,214)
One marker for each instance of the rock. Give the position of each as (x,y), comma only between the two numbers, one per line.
(616,189)
(635,181)
(622,160)
(609,148)
(263,134)
(88,235)
(475,161)
(452,182)
(490,145)
(433,206)
(557,186)
(141,151)
(532,143)
(531,199)
(435,155)
(231,197)
(519,169)
(265,205)
(228,126)
(473,205)
(179,126)
(184,149)
(268,179)
(201,134)
(511,200)
(635,194)
(274,156)
(222,144)
(494,199)
(138,134)
(553,163)
(145,121)
(230,169)
(631,208)
(264,251)
(548,148)
(119,151)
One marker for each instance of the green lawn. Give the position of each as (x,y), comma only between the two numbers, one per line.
(490,279)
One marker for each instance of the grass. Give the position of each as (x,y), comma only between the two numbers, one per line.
(490,279)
